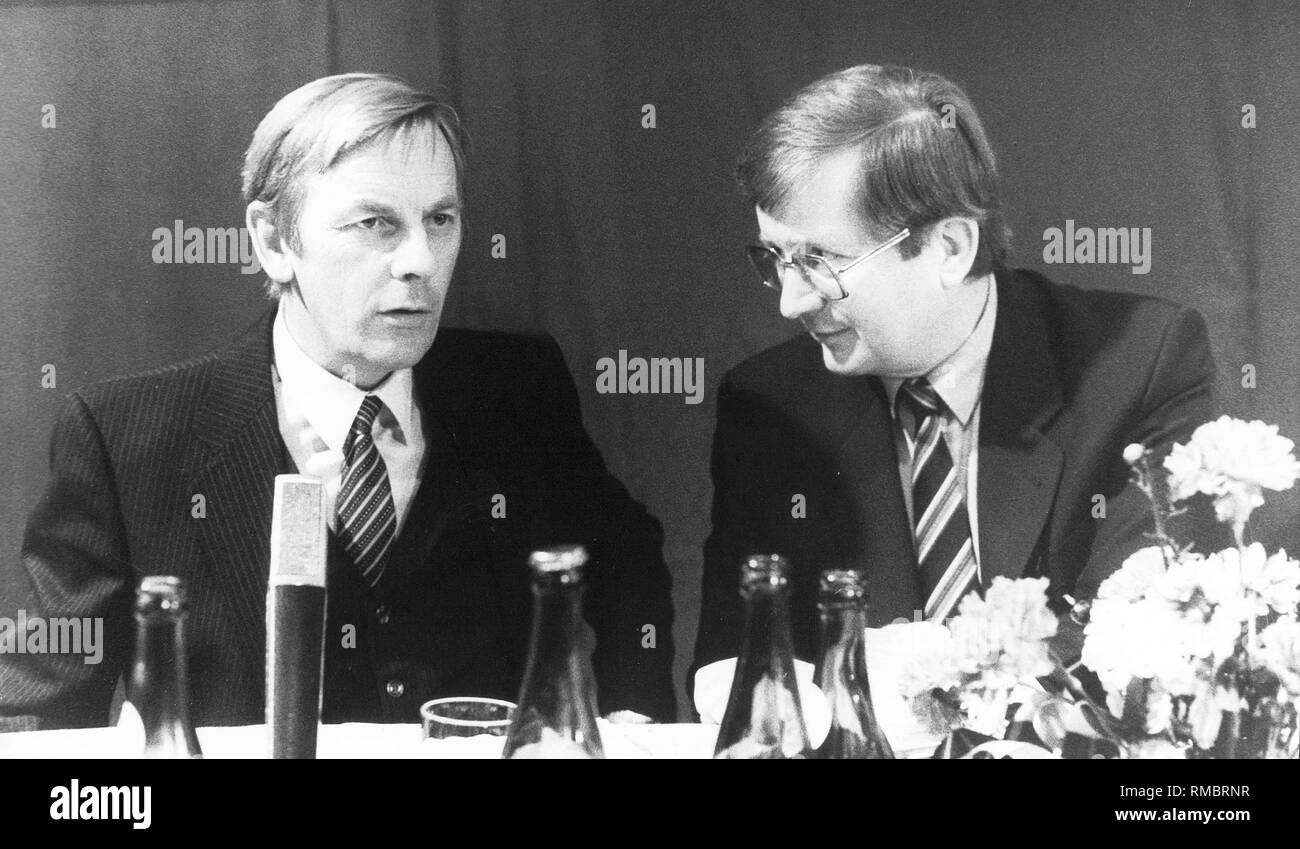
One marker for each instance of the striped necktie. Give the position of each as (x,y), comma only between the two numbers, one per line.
(367,518)
(944,548)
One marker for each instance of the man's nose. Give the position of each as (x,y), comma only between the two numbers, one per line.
(415,257)
(798,297)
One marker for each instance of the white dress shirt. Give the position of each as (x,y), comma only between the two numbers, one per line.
(315,410)
(959,381)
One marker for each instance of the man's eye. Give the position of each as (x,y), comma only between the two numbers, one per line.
(374,222)
(442,219)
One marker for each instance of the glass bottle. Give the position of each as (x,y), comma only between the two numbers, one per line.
(159,680)
(842,671)
(763,718)
(556,716)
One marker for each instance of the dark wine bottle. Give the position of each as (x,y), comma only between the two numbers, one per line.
(556,717)
(159,689)
(842,671)
(764,719)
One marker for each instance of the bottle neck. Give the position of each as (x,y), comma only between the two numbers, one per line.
(159,681)
(843,622)
(767,624)
(557,624)
(159,663)
(842,633)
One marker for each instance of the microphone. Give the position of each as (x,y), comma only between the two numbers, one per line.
(295,616)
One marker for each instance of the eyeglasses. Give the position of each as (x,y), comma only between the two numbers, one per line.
(815,270)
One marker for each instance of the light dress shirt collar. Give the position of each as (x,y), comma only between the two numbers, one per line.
(329,404)
(959,379)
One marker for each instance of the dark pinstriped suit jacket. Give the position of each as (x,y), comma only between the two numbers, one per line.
(452,613)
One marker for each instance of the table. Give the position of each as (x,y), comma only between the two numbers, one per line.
(355,740)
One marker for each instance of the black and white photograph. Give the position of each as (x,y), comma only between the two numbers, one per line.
(751,379)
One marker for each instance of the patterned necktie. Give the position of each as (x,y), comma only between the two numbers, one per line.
(944,548)
(367,519)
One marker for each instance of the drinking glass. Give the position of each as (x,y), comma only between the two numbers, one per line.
(462,716)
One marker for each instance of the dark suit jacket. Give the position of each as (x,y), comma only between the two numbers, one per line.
(1073,376)
(452,613)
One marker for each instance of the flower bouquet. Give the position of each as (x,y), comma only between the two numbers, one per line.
(1200,655)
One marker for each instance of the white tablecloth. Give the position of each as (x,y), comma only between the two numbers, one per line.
(355,740)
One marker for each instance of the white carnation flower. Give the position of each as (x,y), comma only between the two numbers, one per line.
(1231,576)
(1233,461)
(1146,640)
(1191,581)
(992,645)
(1274,579)
(934,666)
(1132,580)
(1001,637)
(1214,640)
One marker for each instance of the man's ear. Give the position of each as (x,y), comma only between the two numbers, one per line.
(958,238)
(272,250)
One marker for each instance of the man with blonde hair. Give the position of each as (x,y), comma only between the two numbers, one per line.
(447,455)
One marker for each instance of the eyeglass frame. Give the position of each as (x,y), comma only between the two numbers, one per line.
(782,262)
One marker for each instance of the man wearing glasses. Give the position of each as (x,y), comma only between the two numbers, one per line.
(945,419)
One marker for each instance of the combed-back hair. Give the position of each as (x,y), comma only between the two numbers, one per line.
(313,126)
(924,154)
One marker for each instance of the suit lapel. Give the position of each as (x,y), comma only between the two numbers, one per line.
(240,437)
(460,403)
(1019,467)
(860,433)
(438,504)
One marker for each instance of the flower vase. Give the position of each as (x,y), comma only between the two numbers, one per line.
(1263,725)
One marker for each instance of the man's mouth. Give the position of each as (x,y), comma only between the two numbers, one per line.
(410,317)
(824,336)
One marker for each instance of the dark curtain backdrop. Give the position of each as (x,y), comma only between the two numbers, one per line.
(619,236)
